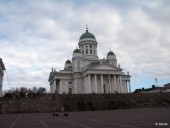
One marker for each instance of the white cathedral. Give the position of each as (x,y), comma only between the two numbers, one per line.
(87,74)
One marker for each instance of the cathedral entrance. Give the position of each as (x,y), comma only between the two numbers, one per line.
(104,88)
(70,90)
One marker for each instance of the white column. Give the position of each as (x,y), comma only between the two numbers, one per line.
(88,49)
(115,84)
(109,84)
(126,86)
(112,84)
(89,84)
(61,87)
(126,90)
(86,86)
(121,87)
(129,87)
(96,50)
(54,86)
(95,83)
(102,83)
(75,86)
(83,85)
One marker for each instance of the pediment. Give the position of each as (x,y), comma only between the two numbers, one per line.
(105,67)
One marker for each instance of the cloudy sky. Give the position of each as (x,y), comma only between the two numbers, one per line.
(40,34)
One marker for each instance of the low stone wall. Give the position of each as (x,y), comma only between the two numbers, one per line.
(84,102)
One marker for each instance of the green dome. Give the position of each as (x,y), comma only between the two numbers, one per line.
(68,62)
(110,53)
(77,51)
(87,35)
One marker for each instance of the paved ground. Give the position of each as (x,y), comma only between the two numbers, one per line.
(132,118)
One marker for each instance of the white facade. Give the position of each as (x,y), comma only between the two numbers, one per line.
(88,74)
(2,68)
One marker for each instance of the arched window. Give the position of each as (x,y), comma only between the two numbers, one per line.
(91,49)
(82,50)
(86,49)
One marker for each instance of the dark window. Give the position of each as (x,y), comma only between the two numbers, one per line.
(70,82)
(83,52)
(94,52)
(90,46)
(90,51)
(86,51)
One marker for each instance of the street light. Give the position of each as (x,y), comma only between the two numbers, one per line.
(156,81)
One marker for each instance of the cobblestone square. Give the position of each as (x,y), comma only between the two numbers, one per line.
(130,118)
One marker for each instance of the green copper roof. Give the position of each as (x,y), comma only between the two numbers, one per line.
(68,62)
(110,53)
(77,51)
(87,35)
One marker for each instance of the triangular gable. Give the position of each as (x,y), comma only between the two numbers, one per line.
(105,67)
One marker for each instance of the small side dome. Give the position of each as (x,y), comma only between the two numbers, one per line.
(77,51)
(68,62)
(110,53)
(68,65)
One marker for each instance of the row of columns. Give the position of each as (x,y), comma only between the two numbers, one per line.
(114,84)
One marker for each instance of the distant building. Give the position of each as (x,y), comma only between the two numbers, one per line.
(2,68)
(166,88)
(87,74)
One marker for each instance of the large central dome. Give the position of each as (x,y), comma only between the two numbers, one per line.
(87,35)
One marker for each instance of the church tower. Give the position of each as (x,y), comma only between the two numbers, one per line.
(88,45)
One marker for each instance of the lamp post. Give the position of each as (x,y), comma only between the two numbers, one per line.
(156,81)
